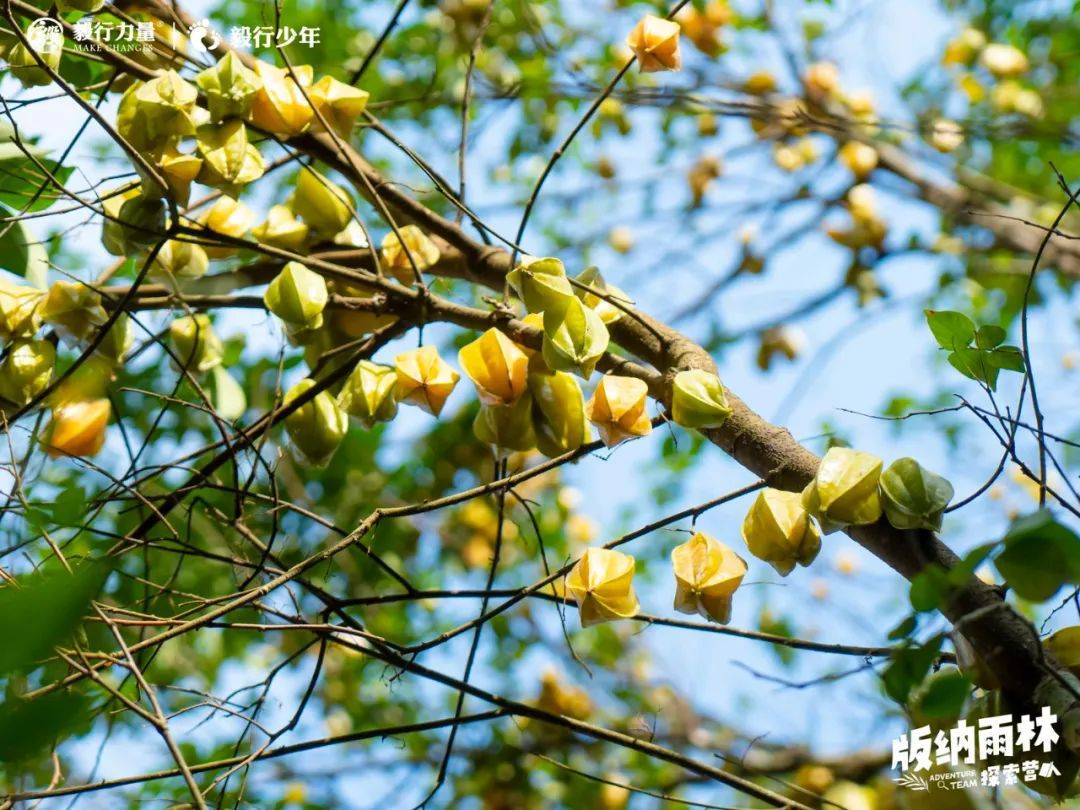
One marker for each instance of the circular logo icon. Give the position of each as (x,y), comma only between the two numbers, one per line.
(203,37)
(46,35)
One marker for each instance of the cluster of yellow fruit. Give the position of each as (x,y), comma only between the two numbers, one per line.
(1004,65)
(157,116)
(80,409)
(703,27)
(528,399)
(866,227)
(780,528)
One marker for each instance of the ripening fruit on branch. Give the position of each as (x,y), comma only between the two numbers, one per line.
(946,136)
(157,110)
(413,247)
(508,428)
(859,158)
(229,87)
(178,259)
(867,229)
(281,229)
(368,393)
(822,80)
(617,408)
(298,296)
(1004,61)
(133,221)
(339,103)
(325,206)
(913,497)
(964,47)
(497,367)
(787,341)
(558,411)
(558,698)
(74,310)
(229,159)
(27,369)
(317,427)
(602,584)
(117,341)
(760,83)
(1064,645)
(703,27)
(20,315)
(195,343)
(228,217)
(541,284)
(845,490)
(621,239)
(655,43)
(707,574)
(779,531)
(178,170)
(698,400)
(1012,97)
(278,105)
(575,338)
(424,379)
(603,298)
(85,6)
(22,62)
(77,428)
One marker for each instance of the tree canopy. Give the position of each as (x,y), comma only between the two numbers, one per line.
(529,403)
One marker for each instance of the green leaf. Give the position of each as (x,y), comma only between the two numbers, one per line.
(952,330)
(943,695)
(1009,358)
(929,588)
(44,611)
(28,728)
(21,253)
(69,507)
(965,569)
(975,364)
(21,178)
(908,668)
(905,628)
(989,336)
(1040,556)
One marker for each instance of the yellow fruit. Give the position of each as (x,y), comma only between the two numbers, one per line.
(77,428)
(655,43)
(707,574)
(602,584)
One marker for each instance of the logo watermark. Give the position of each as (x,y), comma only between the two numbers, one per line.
(46,34)
(973,745)
(93,35)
